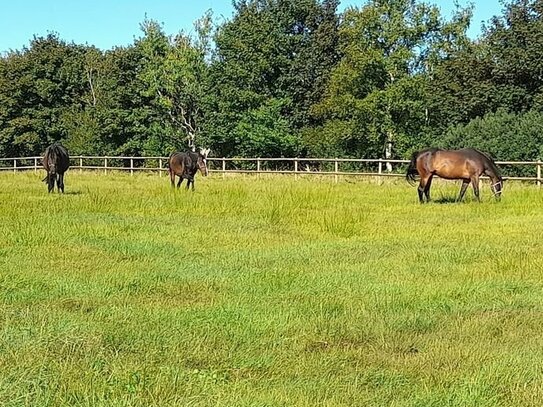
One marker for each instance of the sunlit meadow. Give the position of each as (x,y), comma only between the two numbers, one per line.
(268,291)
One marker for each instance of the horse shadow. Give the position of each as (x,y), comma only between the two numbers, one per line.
(452,199)
(443,200)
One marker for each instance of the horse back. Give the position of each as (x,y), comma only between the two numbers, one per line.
(469,156)
(182,164)
(56,159)
(459,164)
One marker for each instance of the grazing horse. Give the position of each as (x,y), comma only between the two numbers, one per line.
(466,164)
(56,162)
(186,164)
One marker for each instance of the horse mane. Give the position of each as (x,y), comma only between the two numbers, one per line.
(54,150)
(51,153)
(490,164)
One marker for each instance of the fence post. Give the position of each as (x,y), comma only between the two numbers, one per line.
(160,167)
(380,166)
(539,173)
(131,166)
(223,167)
(80,164)
(35,165)
(258,167)
(296,168)
(105,165)
(336,169)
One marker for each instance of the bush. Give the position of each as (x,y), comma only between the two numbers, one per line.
(506,136)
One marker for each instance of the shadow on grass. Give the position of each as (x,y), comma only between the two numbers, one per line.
(454,200)
(73,193)
(446,200)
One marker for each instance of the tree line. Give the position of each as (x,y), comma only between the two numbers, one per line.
(288,78)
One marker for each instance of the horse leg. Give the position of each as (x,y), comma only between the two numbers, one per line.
(422,187)
(427,187)
(60,183)
(420,190)
(189,180)
(475,184)
(50,182)
(465,184)
(180,181)
(172,178)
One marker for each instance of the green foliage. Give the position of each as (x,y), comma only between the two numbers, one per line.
(501,71)
(506,136)
(515,41)
(378,85)
(264,132)
(281,77)
(329,140)
(37,87)
(273,50)
(83,133)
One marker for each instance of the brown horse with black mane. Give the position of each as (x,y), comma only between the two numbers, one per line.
(466,164)
(56,162)
(186,164)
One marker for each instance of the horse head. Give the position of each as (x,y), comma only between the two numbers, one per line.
(202,161)
(497,187)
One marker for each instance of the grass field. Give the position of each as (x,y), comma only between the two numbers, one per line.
(268,292)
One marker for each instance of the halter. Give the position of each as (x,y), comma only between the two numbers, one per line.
(494,187)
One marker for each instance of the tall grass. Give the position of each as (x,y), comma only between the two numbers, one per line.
(267,292)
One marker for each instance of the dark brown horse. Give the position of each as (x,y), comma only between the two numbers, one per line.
(467,164)
(186,164)
(56,162)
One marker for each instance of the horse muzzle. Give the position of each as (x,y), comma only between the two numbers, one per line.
(497,189)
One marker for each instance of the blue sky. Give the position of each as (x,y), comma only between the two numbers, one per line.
(108,23)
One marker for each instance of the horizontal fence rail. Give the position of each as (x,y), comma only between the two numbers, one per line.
(529,170)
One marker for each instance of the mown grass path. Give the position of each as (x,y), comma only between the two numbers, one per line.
(268,292)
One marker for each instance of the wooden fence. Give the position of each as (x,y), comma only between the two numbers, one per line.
(297,166)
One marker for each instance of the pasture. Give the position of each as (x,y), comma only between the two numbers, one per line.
(268,292)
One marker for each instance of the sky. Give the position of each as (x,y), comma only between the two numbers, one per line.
(110,23)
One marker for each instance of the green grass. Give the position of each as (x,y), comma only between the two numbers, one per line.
(268,292)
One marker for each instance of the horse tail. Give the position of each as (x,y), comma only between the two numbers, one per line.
(412,168)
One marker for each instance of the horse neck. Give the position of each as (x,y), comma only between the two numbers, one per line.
(491,170)
(494,177)
(51,156)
